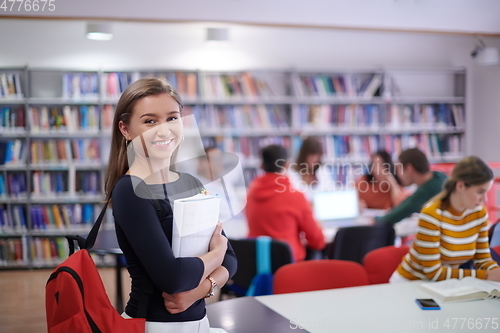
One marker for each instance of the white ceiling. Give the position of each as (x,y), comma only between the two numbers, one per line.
(462,16)
(62,44)
(170,34)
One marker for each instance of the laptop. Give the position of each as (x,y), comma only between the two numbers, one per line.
(336,208)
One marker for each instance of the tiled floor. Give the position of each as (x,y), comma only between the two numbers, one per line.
(22,298)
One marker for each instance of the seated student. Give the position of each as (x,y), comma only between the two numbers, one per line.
(275,209)
(308,174)
(453,229)
(413,168)
(380,188)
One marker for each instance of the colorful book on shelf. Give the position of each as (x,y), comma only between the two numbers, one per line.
(195,219)
(57,217)
(65,216)
(4,222)
(181,82)
(466,289)
(46,250)
(50,220)
(249,86)
(87,213)
(20,223)
(4,88)
(371,88)
(458,118)
(35,224)
(68,119)
(172,79)
(11,86)
(107,117)
(77,213)
(298,89)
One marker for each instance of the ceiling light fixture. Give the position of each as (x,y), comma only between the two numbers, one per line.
(99,31)
(217,34)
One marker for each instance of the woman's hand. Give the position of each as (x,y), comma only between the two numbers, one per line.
(386,176)
(218,241)
(177,303)
(493,275)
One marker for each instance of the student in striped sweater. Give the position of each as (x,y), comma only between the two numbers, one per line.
(453,229)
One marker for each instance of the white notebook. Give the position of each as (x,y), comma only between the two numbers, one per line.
(195,219)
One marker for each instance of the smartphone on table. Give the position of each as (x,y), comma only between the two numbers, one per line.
(427,304)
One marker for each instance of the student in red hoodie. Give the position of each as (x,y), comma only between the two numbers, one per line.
(276,209)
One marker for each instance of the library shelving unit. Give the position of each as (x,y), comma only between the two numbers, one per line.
(356,113)
(55,132)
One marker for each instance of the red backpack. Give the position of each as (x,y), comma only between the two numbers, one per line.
(75,298)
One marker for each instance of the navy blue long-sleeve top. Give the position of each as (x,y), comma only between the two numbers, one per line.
(146,244)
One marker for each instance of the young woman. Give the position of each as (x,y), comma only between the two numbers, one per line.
(380,188)
(308,174)
(453,229)
(147,130)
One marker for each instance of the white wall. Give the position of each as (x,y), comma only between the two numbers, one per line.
(484,112)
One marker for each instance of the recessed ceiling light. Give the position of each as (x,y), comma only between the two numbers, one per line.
(217,34)
(99,31)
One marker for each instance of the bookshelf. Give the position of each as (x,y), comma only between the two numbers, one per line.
(55,130)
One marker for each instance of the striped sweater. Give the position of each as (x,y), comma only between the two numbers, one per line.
(446,239)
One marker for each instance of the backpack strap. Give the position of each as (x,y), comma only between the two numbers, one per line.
(92,236)
(89,242)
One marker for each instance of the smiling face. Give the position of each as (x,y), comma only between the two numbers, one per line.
(155,127)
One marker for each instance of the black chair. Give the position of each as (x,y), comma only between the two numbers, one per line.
(494,234)
(353,243)
(245,250)
(494,240)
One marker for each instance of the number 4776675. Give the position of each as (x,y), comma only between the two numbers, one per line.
(28,5)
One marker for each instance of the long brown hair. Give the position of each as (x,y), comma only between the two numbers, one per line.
(310,146)
(118,162)
(471,170)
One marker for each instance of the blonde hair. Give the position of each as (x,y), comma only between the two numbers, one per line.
(471,171)
(118,162)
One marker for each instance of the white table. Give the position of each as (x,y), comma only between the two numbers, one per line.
(380,308)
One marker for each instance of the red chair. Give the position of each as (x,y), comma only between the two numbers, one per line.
(445,168)
(491,202)
(381,263)
(322,274)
